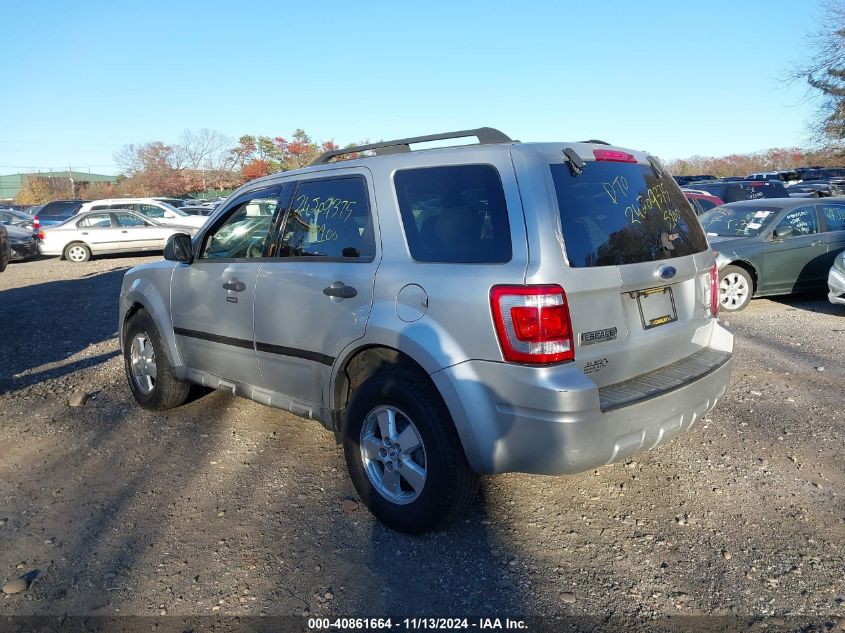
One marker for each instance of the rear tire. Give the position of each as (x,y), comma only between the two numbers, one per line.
(736,287)
(148,370)
(77,252)
(415,478)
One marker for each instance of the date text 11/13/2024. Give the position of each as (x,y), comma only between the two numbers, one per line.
(417,624)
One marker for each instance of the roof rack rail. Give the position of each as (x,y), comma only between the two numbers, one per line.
(485,136)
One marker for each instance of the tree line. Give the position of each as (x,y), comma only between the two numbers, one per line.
(198,162)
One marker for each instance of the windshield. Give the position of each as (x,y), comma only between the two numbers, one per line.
(743,222)
(623,213)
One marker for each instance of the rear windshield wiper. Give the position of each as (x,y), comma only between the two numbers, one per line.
(575,162)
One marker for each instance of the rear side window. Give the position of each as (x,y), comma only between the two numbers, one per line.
(454,214)
(95,220)
(59,209)
(614,214)
(834,216)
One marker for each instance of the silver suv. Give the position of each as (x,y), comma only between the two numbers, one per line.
(494,307)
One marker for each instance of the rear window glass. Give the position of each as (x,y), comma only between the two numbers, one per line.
(454,214)
(59,209)
(738,222)
(623,213)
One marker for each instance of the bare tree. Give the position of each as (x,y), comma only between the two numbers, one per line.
(824,71)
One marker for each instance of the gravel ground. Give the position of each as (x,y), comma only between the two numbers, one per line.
(225,507)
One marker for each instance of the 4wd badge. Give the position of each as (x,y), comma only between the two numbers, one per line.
(598,336)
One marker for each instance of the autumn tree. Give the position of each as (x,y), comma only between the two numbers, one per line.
(39,189)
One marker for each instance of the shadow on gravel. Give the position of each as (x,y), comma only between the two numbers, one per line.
(46,323)
(812,302)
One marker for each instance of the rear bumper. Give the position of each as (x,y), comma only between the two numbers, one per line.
(836,285)
(555,420)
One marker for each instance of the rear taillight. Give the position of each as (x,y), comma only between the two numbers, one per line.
(532,323)
(614,155)
(41,235)
(36,223)
(714,291)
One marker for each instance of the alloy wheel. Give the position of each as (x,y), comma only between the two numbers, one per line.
(393,455)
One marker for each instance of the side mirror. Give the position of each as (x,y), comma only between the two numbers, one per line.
(178,248)
(782,232)
(169,215)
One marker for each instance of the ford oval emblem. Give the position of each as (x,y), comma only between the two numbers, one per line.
(666,272)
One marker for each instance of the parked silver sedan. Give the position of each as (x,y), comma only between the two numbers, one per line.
(836,280)
(100,232)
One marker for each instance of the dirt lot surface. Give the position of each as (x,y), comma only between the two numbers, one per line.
(225,507)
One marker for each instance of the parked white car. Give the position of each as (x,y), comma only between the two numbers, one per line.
(99,232)
(161,212)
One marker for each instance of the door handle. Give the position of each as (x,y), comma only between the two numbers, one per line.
(340,290)
(124,231)
(235,286)
(817,243)
(85,232)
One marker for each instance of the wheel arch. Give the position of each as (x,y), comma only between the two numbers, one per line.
(368,359)
(142,296)
(751,269)
(73,243)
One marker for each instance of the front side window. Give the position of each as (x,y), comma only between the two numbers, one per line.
(834,216)
(454,214)
(615,213)
(129,219)
(95,220)
(329,218)
(244,233)
(802,220)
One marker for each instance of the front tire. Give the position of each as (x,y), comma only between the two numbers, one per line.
(404,455)
(736,287)
(77,252)
(148,370)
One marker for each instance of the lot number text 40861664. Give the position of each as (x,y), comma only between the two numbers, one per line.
(416,624)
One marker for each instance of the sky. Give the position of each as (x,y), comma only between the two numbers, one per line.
(82,79)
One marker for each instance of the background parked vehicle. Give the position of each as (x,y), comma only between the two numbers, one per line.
(733,191)
(684,180)
(100,232)
(197,210)
(810,189)
(150,208)
(5,249)
(22,242)
(774,247)
(19,219)
(836,280)
(701,201)
(58,211)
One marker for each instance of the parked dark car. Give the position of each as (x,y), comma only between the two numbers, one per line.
(683,180)
(810,189)
(23,243)
(195,210)
(18,218)
(736,190)
(58,211)
(4,248)
(774,247)
(823,174)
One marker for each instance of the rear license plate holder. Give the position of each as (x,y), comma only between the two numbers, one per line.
(656,306)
